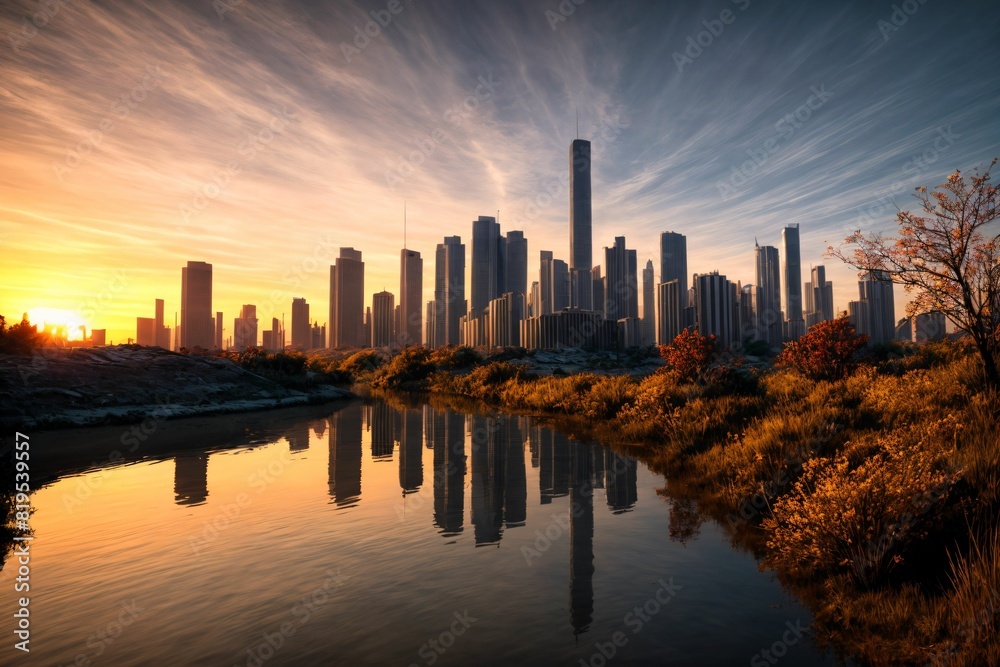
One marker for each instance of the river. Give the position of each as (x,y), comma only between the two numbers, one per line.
(378,533)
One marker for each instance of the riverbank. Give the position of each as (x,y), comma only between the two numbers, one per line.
(127,384)
(874,496)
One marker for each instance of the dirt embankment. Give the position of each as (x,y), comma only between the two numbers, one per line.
(128,383)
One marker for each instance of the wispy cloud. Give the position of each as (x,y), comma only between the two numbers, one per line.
(407,101)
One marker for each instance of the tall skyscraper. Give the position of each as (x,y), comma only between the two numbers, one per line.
(245,328)
(673,259)
(554,284)
(673,266)
(648,304)
(621,290)
(449,291)
(599,301)
(769,316)
(714,304)
(197,323)
(581,259)
(301,336)
(347,300)
(218,330)
(818,297)
(793,282)
(162,332)
(516,264)
(488,268)
(670,322)
(411,300)
(383,316)
(878,320)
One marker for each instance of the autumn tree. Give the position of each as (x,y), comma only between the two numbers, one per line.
(946,257)
(828,352)
(689,355)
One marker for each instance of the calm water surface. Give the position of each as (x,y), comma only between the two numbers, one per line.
(381,535)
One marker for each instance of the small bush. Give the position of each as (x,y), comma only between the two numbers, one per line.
(828,352)
(690,356)
(411,366)
(860,518)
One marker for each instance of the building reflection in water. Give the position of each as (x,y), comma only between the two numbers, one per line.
(190,479)
(298,437)
(515,506)
(553,463)
(620,482)
(445,432)
(581,532)
(489,455)
(345,455)
(382,421)
(411,467)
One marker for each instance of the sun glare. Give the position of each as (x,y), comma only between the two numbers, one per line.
(60,318)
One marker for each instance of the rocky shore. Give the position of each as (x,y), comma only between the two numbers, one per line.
(56,388)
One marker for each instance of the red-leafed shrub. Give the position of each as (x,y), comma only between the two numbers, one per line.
(828,352)
(690,355)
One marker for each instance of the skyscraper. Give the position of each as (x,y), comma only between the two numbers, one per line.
(581,259)
(245,328)
(818,297)
(300,324)
(218,330)
(411,288)
(383,315)
(599,302)
(669,299)
(197,323)
(516,264)
(769,317)
(621,291)
(489,275)
(673,266)
(878,319)
(648,304)
(449,291)
(793,282)
(162,332)
(714,304)
(347,296)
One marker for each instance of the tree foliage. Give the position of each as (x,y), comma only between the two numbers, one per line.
(828,352)
(20,338)
(946,257)
(690,355)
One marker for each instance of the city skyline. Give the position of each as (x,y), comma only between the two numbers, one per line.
(94,230)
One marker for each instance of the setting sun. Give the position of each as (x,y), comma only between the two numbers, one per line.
(59,318)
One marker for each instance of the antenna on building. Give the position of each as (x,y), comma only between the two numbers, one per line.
(404,224)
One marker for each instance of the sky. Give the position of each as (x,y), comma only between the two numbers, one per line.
(263,136)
